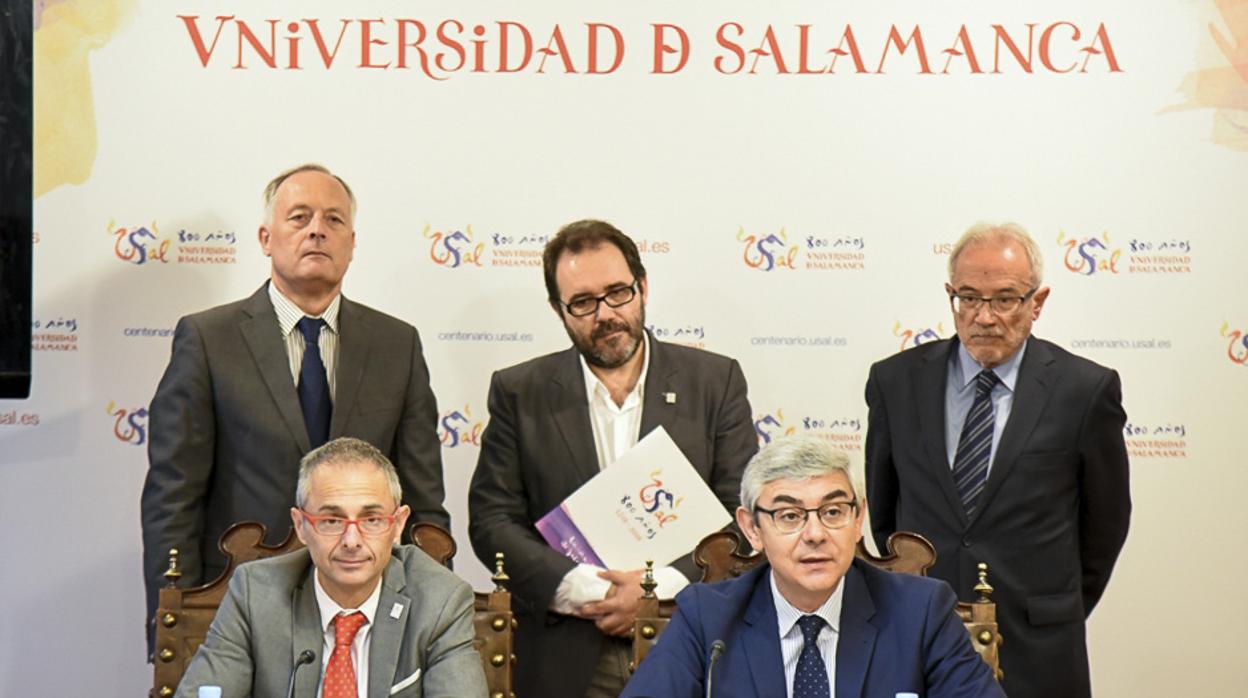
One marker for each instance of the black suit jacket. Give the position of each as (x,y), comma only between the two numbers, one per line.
(538,448)
(227,432)
(1054,511)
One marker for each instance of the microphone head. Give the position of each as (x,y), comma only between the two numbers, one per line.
(717,648)
(306,657)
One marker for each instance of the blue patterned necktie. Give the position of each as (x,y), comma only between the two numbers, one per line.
(314,397)
(811,678)
(970,463)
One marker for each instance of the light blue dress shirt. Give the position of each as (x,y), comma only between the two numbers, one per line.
(960,394)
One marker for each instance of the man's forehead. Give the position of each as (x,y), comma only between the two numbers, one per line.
(298,188)
(359,485)
(831,485)
(999,256)
(592,269)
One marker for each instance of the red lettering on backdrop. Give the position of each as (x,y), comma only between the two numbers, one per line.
(1058,45)
(1046,36)
(661,48)
(197,40)
(894,39)
(618,40)
(327,56)
(367,42)
(404,44)
(723,40)
(560,50)
(244,32)
(503,28)
(452,44)
(478,49)
(803,46)
(1001,35)
(967,50)
(1107,50)
(771,50)
(847,38)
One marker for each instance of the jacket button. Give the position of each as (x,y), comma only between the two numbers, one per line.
(966,542)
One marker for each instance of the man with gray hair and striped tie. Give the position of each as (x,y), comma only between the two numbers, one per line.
(1006,449)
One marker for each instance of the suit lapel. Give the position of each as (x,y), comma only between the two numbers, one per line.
(264,340)
(856,641)
(930,377)
(353,348)
(1031,394)
(387,633)
(569,409)
(661,380)
(761,639)
(307,633)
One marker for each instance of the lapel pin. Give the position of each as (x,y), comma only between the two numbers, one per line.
(669,398)
(396,610)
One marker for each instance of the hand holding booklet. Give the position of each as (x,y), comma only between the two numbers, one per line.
(649,505)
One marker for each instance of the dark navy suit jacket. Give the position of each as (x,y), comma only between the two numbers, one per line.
(898,633)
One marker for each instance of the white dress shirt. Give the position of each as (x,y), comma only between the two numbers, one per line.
(359,646)
(617,428)
(791,640)
(288,317)
(960,396)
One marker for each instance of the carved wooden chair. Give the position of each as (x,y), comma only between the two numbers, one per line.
(184,615)
(910,553)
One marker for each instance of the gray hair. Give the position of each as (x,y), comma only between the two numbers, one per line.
(800,457)
(992,232)
(270,190)
(344,451)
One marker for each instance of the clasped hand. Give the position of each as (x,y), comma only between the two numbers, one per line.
(617,611)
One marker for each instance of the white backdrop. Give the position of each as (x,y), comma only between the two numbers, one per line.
(799,222)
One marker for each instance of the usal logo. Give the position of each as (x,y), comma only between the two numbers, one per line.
(129,424)
(912,337)
(458,428)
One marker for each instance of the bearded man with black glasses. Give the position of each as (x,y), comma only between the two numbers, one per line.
(1003,448)
(558,420)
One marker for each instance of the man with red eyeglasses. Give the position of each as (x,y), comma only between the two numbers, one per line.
(380,619)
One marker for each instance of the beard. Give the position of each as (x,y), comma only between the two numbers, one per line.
(614,352)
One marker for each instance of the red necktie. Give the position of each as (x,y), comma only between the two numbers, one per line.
(339,672)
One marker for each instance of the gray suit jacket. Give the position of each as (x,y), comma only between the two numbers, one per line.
(227,432)
(538,448)
(1052,517)
(270,615)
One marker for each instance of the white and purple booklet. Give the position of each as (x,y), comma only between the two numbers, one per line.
(648,505)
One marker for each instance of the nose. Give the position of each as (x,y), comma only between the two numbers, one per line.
(984,314)
(814,532)
(606,312)
(351,537)
(316,226)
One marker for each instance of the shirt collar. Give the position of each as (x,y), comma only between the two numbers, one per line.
(966,368)
(289,314)
(331,610)
(787,614)
(594,386)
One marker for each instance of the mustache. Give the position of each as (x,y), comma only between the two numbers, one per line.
(607,327)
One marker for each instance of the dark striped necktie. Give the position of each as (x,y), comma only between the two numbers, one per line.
(970,463)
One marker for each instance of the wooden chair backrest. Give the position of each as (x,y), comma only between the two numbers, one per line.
(720,558)
(184,615)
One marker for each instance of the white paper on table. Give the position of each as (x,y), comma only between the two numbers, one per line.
(649,505)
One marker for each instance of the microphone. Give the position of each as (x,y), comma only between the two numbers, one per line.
(717,649)
(305,657)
